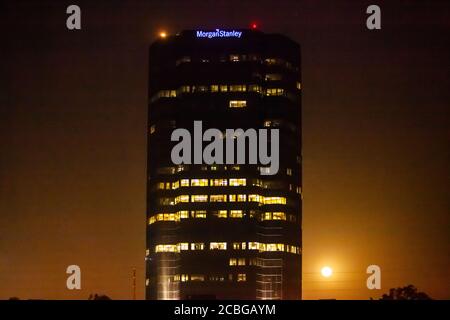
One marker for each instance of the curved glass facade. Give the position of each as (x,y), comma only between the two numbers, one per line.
(224,231)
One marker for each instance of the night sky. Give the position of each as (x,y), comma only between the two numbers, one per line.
(73,112)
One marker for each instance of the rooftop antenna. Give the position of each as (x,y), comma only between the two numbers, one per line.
(134,283)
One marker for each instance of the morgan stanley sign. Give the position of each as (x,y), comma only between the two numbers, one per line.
(219,34)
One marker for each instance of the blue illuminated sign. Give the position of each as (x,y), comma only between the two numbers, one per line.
(219,34)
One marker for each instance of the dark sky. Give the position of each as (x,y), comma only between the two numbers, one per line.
(73,140)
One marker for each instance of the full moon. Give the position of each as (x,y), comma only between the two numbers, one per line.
(326,272)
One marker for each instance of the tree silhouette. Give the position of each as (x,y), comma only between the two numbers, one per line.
(98,297)
(409,292)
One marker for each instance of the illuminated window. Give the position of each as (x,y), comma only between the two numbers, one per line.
(167,248)
(232,198)
(270,61)
(239,245)
(184,214)
(273,77)
(147,282)
(184,182)
(165,217)
(198,214)
(241,197)
(172,93)
(218,246)
(223,88)
(255,198)
(272,123)
(199,198)
(171,217)
(234,57)
(255,88)
(238,88)
(161,185)
(299,86)
(152,129)
(181,167)
(182,198)
(233,262)
(238,182)
(279,216)
(166,201)
(197,277)
(216,278)
(241,277)
(222,214)
(199,182)
(202,88)
(184,277)
(213,168)
(175,185)
(184,89)
(253,245)
(274,92)
(236,168)
(236,214)
(237,103)
(168,185)
(266,216)
(253,214)
(241,262)
(289,171)
(218,198)
(197,246)
(264,170)
(214,88)
(147,252)
(184,246)
(274,200)
(183,60)
(277,61)
(258,183)
(292,249)
(218,182)
(272,247)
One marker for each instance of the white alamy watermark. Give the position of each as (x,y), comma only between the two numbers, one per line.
(373,22)
(374,280)
(232,144)
(73,282)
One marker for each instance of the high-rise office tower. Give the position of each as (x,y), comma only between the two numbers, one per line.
(224,230)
